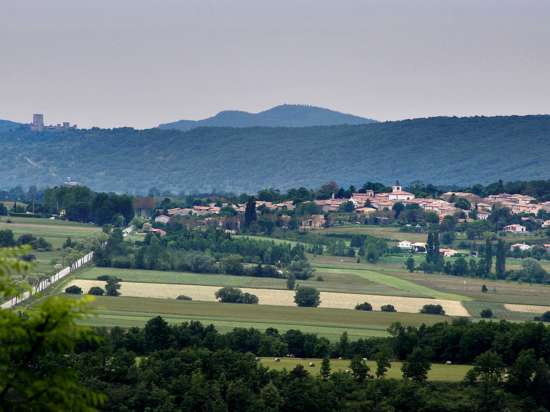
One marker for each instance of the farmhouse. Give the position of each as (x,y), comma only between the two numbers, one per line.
(515,228)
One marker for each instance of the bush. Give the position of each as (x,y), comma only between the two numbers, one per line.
(184,297)
(486,313)
(545,317)
(388,308)
(6,238)
(301,269)
(249,298)
(307,297)
(28,258)
(96,291)
(366,306)
(74,290)
(107,278)
(26,239)
(235,295)
(432,309)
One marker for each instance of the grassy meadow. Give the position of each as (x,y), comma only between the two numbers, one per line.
(330,323)
(55,232)
(438,372)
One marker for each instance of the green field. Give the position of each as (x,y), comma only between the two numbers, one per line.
(332,282)
(374,273)
(331,323)
(384,232)
(55,232)
(438,372)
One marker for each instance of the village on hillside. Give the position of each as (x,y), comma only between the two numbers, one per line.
(524,213)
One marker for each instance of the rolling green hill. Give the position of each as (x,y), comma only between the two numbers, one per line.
(438,150)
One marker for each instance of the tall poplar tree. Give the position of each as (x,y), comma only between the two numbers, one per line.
(488,256)
(500,266)
(430,248)
(250,212)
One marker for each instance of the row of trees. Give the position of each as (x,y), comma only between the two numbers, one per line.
(81,204)
(210,251)
(491,256)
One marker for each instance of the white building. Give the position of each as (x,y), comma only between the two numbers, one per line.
(398,194)
(520,246)
(405,245)
(162,219)
(515,228)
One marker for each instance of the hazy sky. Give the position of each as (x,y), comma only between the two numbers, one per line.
(142,62)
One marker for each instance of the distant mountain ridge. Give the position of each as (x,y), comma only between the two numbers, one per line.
(439,150)
(286,115)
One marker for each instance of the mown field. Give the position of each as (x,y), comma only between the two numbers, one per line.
(276,297)
(438,372)
(331,282)
(55,232)
(330,323)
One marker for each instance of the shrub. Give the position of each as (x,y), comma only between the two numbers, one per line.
(96,290)
(545,317)
(366,306)
(184,297)
(249,298)
(301,269)
(388,308)
(107,278)
(73,290)
(28,258)
(235,295)
(307,297)
(432,309)
(26,239)
(486,313)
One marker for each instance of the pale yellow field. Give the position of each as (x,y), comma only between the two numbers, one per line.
(277,297)
(527,308)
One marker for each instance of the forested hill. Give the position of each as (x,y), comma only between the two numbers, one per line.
(435,150)
(286,115)
(6,125)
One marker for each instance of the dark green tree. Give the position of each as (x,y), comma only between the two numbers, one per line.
(325,368)
(417,365)
(382,363)
(410,264)
(250,212)
(500,267)
(112,286)
(359,369)
(290,282)
(307,297)
(488,256)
